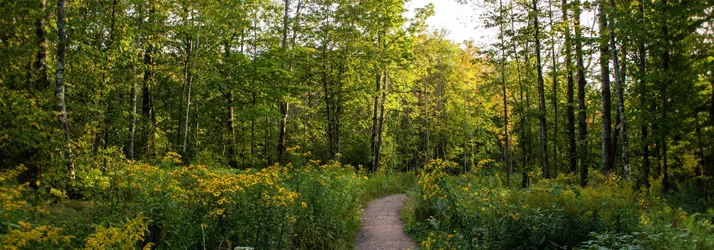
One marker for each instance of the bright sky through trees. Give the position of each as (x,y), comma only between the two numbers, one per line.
(461,20)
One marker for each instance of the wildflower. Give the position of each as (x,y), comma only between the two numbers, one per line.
(24,225)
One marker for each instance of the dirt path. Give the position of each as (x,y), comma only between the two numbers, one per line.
(380,225)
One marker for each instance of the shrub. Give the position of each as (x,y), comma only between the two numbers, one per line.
(471,211)
(169,206)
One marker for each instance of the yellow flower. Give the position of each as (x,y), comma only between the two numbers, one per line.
(303,204)
(24,225)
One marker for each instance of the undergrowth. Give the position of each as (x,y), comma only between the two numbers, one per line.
(128,205)
(476,211)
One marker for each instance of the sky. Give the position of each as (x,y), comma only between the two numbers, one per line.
(461,20)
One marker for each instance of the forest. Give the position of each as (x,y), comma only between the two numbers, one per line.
(270,124)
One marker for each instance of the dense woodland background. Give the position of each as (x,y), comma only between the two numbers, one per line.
(241,83)
(86,85)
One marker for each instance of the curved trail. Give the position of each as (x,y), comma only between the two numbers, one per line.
(380,227)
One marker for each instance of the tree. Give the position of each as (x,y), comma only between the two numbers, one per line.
(606,114)
(283,105)
(362,84)
(129,152)
(507,142)
(555,88)
(572,148)
(147,103)
(60,88)
(388,23)
(582,125)
(188,82)
(619,78)
(541,95)
(43,53)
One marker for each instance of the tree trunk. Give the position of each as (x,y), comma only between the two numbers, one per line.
(113,24)
(522,112)
(620,82)
(665,166)
(582,125)
(328,113)
(378,148)
(529,129)
(147,100)
(657,142)
(645,171)
(179,135)
(523,140)
(60,88)
(507,146)
(267,140)
(710,170)
(665,98)
(283,130)
(572,149)
(197,118)
(541,97)
(338,114)
(702,168)
(711,103)
(132,124)
(426,121)
(231,127)
(252,136)
(41,64)
(605,91)
(189,81)
(283,106)
(555,93)
(615,137)
(645,175)
(330,105)
(232,132)
(375,125)
(186,68)
(107,115)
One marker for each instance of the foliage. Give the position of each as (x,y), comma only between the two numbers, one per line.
(191,124)
(479,212)
(137,205)
(124,237)
(16,214)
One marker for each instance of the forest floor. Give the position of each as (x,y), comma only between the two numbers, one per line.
(380,226)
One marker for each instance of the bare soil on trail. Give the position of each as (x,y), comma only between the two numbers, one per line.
(380,227)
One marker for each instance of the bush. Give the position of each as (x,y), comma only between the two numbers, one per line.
(467,212)
(137,205)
